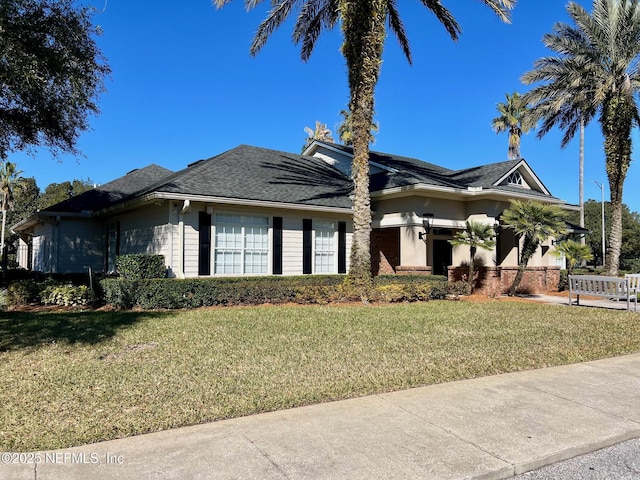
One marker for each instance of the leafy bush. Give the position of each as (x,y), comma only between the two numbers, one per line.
(66,295)
(24,292)
(136,266)
(170,293)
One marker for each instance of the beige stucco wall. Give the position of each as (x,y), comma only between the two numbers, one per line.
(406,213)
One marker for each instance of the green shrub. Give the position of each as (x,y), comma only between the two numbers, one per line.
(136,266)
(24,292)
(170,293)
(66,295)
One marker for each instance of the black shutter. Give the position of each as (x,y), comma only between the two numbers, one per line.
(342,247)
(204,242)
(306,246)
(277,246)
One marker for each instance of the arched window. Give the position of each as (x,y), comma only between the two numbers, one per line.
(515,179)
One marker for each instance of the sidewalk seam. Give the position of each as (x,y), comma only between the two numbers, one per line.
(453,434)
(590,407)
(264,454)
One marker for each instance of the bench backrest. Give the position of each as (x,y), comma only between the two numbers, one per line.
(598,284)
(634,280)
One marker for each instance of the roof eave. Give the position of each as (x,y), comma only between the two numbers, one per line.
(153,196)
(469,192)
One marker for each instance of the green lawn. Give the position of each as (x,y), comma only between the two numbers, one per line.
(74,378)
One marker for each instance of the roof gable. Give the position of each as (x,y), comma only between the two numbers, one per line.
(394,171)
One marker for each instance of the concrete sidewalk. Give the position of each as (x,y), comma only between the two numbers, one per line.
(491,427)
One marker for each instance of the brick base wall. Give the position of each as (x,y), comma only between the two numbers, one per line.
(497,280)
(413,270)
(385,251)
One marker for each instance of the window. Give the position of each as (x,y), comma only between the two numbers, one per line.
(241,244)
(515,179)
(324,247)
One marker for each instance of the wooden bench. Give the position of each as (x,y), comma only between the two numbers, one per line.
(610,287)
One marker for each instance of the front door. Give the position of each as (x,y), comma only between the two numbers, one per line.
(442,257)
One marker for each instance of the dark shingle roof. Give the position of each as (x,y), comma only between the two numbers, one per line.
(484,175)
(406,171)
(264,175)
(252,173)
(112,192)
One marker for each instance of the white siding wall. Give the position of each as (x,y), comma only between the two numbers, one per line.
(292,244)
(145,231)
(42,248)
(80,244)
(291,235)
(191,242)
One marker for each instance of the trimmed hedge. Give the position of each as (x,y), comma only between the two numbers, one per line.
(141,265)
(170,293)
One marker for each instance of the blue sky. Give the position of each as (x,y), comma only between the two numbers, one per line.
(184,87)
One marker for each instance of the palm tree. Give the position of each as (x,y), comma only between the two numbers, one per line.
(515,119)
(536,222)
(574,252)
(475,235)
(321,132)
(596,71)
(562,102)
(344,129)
(364,28)
(10,179)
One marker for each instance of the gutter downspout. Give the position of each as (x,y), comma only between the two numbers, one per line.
(185,208)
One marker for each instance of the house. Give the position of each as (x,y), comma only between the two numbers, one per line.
(255,211)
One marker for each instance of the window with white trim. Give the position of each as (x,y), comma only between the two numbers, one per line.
(241,244)
(324,247)
(515,179)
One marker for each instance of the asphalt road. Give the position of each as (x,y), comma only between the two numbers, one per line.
(620,462)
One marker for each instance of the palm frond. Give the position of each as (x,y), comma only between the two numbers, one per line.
(444,17)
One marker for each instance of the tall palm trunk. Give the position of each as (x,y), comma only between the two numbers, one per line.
(364,34)
(617,121)
(529,247)
(583,240)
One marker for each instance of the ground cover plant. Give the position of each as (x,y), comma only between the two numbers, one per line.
(71,378)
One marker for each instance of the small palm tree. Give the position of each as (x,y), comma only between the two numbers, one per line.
(10,180)
(514,118)
(536,222)
(574,252)
(475,235)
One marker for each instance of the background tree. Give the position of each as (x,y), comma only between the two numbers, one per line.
(535,222)
(574,252)
(364,30)
(25,204)
(598,60)
(515,119)
(10,181)
(59,192)
(50,74)
(630,249)
(321,132)
(475,235)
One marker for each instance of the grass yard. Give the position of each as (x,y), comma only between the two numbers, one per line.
(79,377)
